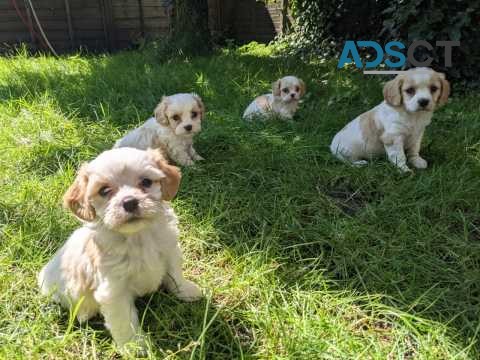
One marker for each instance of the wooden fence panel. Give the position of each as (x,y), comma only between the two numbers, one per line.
(113,24)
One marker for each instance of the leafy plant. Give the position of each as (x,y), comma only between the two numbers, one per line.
(440,20)
(321,27)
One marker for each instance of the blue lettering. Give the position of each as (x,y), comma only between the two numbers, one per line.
(378,50)
(394,53)
(345,59)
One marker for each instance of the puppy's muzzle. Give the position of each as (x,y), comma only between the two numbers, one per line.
(423,102)
(130,204)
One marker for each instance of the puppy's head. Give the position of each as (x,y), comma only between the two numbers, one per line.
(289,88)
(419,89)
(123,188)
(183,113)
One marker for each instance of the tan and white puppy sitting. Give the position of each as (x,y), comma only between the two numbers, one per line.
(128,243)
(177,119)
(396,126)
(283,101)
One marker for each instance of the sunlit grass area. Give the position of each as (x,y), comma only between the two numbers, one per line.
(300,256)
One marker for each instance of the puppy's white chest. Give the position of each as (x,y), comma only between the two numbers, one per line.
(146,268)
(405,124)
(178,142)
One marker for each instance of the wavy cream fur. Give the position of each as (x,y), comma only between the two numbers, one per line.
(395,126)
(117,255)
(167,130)
(283,101)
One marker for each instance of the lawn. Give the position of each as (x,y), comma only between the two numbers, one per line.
(300,256)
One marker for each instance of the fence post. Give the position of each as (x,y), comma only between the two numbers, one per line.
(71,34)
(141,18)
(108,24)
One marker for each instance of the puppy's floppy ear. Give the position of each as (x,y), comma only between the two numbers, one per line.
(445,91)
(200,104)
(75,198)
(392,91)
(276,88)
(171,182)
(303,87)
(160,111)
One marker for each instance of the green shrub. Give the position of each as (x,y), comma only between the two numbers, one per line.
(440,20)
(322,26)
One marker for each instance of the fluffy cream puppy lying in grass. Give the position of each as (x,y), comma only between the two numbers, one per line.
(396,126)
(128,243)
(283,101)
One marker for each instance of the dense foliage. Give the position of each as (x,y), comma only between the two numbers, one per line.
(322,26)
(191,24)
(190,35)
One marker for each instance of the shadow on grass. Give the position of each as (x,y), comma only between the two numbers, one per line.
(125,88)
(275,187)
(193,329)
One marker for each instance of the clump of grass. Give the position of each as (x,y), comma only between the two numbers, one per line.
(301,256)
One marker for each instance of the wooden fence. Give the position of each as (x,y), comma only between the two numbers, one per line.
(116,24)
(95,24)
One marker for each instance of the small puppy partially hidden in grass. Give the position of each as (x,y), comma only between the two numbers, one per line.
(127,246)
(283,101)
(396,126)
(177,119)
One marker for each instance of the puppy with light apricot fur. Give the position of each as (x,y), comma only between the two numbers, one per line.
(395,126)
(177,119)
(283,101)
(127,246)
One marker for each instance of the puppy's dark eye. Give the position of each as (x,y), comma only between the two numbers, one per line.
(433,88)
(176,117)
(146,183)
(410,91)
(297,89)
(285,90)
(104,191)
(194,114)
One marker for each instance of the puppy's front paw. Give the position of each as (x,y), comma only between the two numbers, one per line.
(418,162)
(197,157)
(188,291)
(360,163)
(186,162)
(405,169)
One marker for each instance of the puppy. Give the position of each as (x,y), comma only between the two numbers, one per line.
(283,101)
(396,126)
(177,119)
(128,243)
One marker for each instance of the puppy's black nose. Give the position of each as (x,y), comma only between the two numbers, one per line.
(423,102)
(292,95)
(188,127)
(130,204)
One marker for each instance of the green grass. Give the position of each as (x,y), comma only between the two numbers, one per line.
(302,257)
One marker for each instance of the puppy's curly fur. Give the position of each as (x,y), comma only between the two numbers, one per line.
(283,101)
(127,246)
(396,126)
(177,119)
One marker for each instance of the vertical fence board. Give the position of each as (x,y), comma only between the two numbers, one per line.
(115,24)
